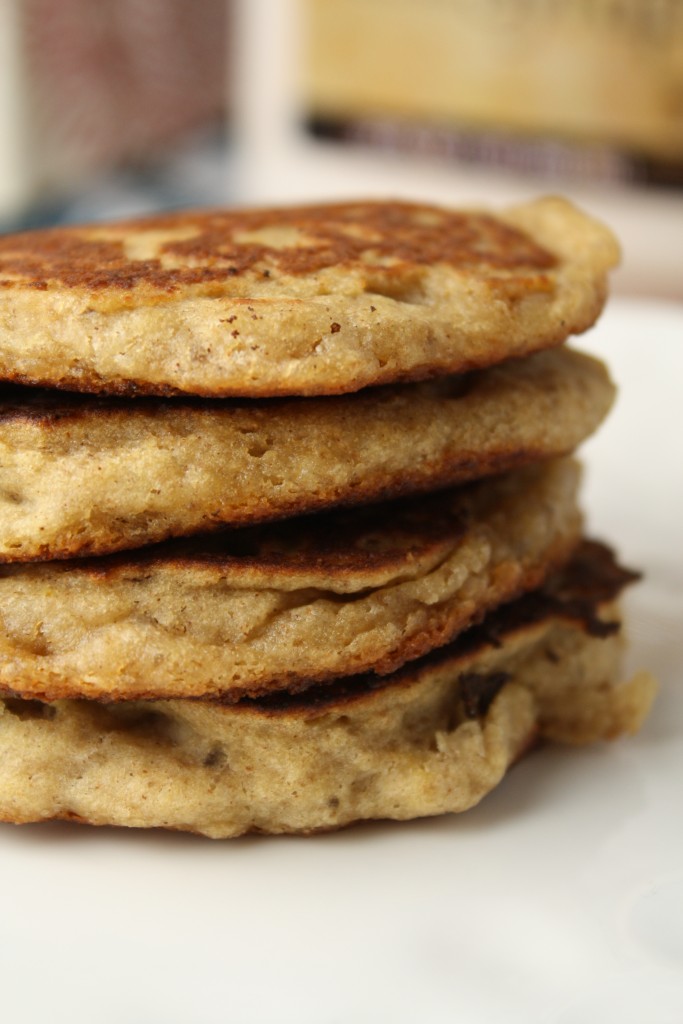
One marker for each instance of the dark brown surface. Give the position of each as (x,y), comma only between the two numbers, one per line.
(47,407)
(336,235)
(379,536)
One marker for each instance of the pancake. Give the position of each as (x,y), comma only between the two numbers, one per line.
(283,606)
(434,738)
(84,476)
(295,301)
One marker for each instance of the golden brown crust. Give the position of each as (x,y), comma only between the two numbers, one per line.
(312,300)
(83,475)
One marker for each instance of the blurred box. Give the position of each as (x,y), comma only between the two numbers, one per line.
(592,90)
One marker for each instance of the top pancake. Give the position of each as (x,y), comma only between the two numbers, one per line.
(297,301)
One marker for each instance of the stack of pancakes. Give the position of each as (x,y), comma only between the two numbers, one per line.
(289,526)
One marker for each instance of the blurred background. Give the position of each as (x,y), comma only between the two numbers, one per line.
(120,107)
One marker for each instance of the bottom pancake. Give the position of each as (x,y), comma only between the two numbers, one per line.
(432,738)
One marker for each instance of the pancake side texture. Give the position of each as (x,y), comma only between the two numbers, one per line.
(84,476)
(434,738)
(296,301)
(280,607)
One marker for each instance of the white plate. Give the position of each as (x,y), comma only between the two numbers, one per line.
(558,899)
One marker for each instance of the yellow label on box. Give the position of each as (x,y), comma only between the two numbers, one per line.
(607,72)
